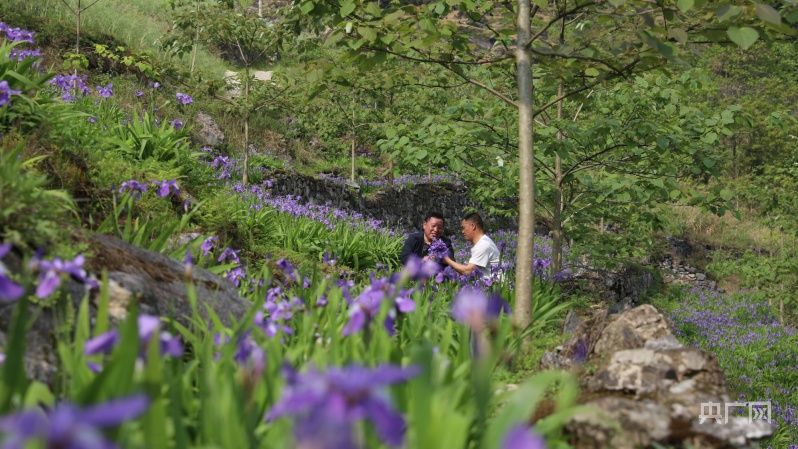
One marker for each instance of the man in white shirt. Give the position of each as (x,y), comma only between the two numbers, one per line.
(484,253)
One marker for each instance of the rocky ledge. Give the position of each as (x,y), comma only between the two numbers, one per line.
(647,389)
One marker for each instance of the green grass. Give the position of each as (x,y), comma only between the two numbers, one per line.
(139,23)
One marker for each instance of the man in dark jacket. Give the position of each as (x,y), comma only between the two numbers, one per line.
(418,243)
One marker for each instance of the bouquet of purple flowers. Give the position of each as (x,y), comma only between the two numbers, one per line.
(438,249)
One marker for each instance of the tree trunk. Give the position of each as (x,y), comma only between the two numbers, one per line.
(245,177)
(77,31)
(196,42)
(354,140)
(524,283)
(556,232)
(354,143)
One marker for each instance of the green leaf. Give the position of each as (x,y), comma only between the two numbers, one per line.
(347,9)
(744,37)
(685,5)
(349,26)
(678,34)
(591,71)
(370,34)
(616,3)
(768,13)
(373,8)
(727,12)
(306,7)
(709,163)
(726,194)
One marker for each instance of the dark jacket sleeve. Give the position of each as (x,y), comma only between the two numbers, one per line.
(410,247)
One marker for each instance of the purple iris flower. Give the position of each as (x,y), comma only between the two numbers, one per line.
(134,187)
(522,437)
(288,269)
(139,94)
(101,344)
(472,307)
(16,34)
(51,271)
(236,275)
(184,99)
(6,92)
(417,270)
(207,245)
(9,290)
(155,85)
(66,425)
(148,327)
(328,404)
(107,91)
(438,249)
(229,253)
(177,123)
(164,187)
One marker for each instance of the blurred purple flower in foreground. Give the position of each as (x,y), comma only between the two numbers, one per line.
(50,272)
(139,94)
(327,404)
(522,437)
(472,307)
(9,290)
(148,326)
(68,426)
(6,92)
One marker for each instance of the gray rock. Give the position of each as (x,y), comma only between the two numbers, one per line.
(158,282)
(666,342)
(572,322)
(631,329)
(620,423)
(620,306)
(208,132)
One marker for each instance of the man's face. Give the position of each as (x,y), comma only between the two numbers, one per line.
(468,229)
(433,228)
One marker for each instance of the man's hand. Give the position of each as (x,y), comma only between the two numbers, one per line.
(460,268)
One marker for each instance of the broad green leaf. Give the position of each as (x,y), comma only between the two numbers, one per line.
(347,9)
(726,194)
(370,34)
(744,37)
(678,34)
(768,13)
(306,7)
(684,5)
(727,12)
(591,71)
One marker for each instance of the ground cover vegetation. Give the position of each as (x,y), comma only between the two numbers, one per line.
(343,347)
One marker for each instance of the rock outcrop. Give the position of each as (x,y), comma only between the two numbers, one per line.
(207,132)
(647,388)
(155,281)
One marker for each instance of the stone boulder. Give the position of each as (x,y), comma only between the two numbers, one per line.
(207,132)
(155,281)
(158,283)
(647,388)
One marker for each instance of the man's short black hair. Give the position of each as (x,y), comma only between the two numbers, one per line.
(433,214)
(474,217)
